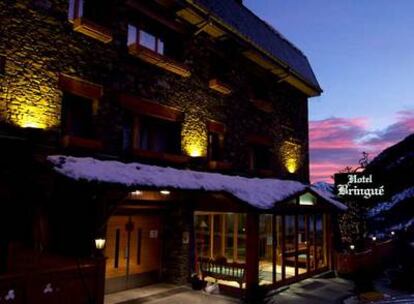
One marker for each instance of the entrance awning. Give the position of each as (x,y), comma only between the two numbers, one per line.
(262,193)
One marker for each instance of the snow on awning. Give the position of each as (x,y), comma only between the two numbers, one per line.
(258,192)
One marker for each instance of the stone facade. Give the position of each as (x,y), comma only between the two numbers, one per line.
(39,43)
(176,264)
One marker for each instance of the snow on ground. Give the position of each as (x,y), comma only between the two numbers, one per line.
(395,200)
(402,226)
(258,192)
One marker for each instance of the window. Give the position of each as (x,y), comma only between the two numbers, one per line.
(221,235)
(261,157)
(79,106)
(146,39)
(152,130)
(77,116)
(157,46)
(215,146)
(157,135)
(219,76)
(266,251)
(2,65)
(92,18)
(98,11)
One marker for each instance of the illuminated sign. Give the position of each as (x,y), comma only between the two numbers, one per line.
(358,185)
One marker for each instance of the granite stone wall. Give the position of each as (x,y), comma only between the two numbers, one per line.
(177,260)
(38,42)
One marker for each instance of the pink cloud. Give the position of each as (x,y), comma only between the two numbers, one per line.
(336,143)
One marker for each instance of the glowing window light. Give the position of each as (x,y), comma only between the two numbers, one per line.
(136,193)
(307,199)
(165,192)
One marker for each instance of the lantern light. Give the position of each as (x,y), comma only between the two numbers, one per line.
(100,244)
(352,247)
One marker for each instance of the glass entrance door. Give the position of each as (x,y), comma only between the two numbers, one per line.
(133,251)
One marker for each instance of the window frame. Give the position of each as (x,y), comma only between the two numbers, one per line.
(137,133)
(137,39)
(85,24)
(219,129)
(264,142)
(92,93)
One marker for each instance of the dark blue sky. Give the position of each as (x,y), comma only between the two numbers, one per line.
(362,52)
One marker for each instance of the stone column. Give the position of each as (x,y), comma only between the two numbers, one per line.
(177,258)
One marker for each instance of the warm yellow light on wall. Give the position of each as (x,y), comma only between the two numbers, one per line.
(291,156)
(31,124)
(32,117)
(30,97)
(194,138)
(291,165)
(194,151)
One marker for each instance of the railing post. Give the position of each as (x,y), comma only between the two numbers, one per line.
(100,279)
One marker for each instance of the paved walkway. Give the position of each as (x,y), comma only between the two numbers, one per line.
(165,293)
(310,291)
(314,291)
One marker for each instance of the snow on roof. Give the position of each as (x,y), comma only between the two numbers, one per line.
(395,200)
(258,192)
(329,197)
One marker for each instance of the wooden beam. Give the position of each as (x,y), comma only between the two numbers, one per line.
(296,242)
(155,15)
(80,87)
(252,250)
(307,243)
(91,29)
(161,61)
(274,249)
(259,140)
(219,86)
(283,248)
(146,107)
(280,71)
(216,127)
(71,141)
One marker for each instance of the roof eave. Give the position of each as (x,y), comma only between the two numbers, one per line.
(312,90)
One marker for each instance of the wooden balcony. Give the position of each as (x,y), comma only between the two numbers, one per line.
(262,105)
(219,86)
(70,141)
(159,60)
(160,156)
(91,29)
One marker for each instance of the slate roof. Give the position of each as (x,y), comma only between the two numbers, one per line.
(261,34)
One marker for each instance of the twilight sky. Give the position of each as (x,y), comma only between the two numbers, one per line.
(362,52)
